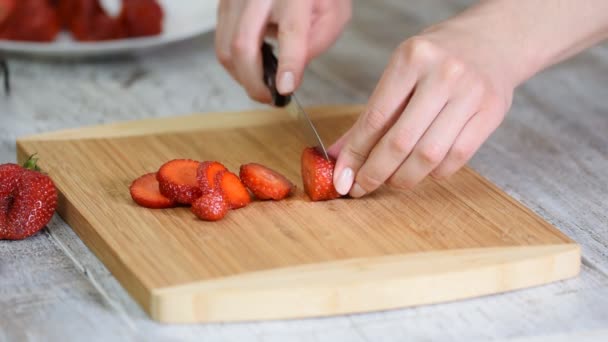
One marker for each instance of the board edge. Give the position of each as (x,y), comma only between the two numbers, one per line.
(72,216)
(365,284)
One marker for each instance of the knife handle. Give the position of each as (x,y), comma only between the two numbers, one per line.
(270,75)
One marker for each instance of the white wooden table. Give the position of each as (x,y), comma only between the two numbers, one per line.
(551,153)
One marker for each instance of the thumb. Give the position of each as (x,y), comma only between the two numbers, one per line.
(294,25)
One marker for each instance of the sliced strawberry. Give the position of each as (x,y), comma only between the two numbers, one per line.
(317,176)
(265,183)
(235,193)
(145,192)
(178,182)
(206,173)
(211,206)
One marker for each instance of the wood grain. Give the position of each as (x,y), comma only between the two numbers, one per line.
(148,250)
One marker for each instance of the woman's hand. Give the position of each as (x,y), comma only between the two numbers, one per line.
(440,97)
(304,28)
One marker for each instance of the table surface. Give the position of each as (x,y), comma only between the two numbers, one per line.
(550,153)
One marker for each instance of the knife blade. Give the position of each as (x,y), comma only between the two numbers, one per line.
(290,102)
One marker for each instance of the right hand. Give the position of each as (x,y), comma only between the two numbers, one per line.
(304,28)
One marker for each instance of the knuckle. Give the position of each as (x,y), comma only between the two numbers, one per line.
(452,69)
(356,154)
(368,181)
(461,153)
(400,144)
(430,154)
(416,50)
(373,120)
(239,44)
(291,28)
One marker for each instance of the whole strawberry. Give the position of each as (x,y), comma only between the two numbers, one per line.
(28,200)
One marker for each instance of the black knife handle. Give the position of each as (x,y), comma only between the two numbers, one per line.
(270,76)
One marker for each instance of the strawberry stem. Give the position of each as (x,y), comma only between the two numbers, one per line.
(30,163)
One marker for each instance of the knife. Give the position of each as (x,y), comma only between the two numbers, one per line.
(289,102)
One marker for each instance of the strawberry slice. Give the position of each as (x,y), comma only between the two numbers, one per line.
(145,192)
(317,176)
(206,173)
(265,183)
(235,193)
(178,182)
(211,206)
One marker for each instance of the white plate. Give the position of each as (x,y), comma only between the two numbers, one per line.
(184,19)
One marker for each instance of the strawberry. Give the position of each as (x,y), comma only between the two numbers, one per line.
(265,183)
(317,175)
(6,9)
(28,200)
(145,191)
(206,173)
(178,182)
(235,193)
(142,17)
(212,206)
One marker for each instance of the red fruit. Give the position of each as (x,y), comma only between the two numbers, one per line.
(145,192)
(67,10)
(31,20)
(265,183)
(234,191)
(211,206)
(6,9)
(206,175)
(142,17)
(97,28)
(178,182)
(317,176)
(9,178)
(28,200)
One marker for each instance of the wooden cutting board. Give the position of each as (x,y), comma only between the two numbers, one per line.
(442,241)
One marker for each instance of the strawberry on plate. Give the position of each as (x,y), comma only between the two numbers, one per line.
(145,191)
(265,183)
(28,200)
(177,180)
(317,176)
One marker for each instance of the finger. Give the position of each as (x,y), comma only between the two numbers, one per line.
(245,49)
(294,25)
(475,133)
(385,158)
(326,28)
(386,102)
(434,145)
(228,15)
(336,147)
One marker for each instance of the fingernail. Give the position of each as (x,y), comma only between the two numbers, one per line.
(357,191)
(345,181)
(287,83)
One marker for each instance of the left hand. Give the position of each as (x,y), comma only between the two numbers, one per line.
(441,96)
